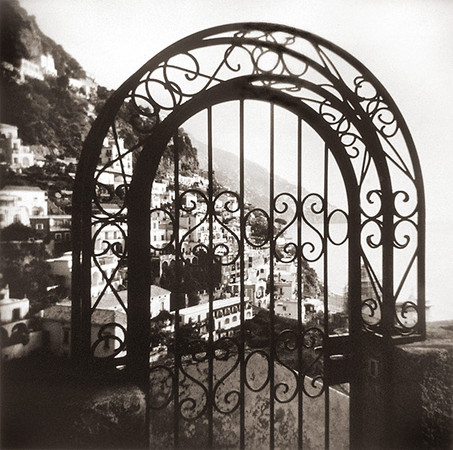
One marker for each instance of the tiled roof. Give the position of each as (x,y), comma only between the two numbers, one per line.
(61,312)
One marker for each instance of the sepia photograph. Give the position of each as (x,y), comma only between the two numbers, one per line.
(226,225)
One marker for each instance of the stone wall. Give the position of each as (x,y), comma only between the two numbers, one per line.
(46,404)
(423,390)
(193,418)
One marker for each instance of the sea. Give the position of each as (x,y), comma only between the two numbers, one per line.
(439,270)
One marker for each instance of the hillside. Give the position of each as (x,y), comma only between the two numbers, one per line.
(22,38)
(227,174)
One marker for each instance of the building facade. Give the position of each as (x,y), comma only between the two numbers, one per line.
(19,203)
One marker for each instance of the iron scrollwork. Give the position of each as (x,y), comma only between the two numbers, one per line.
(373,142)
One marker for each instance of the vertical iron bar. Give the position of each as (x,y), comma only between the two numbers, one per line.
(355,320)
(211,212)
(326,289)
(177,294)
(300,287)
(389,307)
(271,285)
(421,302)
(242,249)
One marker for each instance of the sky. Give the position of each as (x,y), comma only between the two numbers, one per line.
(407,44)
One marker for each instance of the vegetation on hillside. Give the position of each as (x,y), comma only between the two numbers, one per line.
(24,269)
(46,113)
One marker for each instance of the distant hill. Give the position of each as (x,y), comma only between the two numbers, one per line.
(227,173)
(257,181)
(22,38)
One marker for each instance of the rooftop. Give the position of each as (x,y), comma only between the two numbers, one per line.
(217,304)
(22,188)
(61,312)
(110,300)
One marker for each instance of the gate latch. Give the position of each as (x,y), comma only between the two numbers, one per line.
(338,362)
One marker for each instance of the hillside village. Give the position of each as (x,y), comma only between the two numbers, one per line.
(28,206)
(36,236)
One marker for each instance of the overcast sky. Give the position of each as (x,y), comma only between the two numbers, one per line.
(407,44)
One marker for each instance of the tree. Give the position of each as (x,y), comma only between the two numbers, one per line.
(17,232)
(24,268)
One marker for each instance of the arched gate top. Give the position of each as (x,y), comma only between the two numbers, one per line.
(334,85)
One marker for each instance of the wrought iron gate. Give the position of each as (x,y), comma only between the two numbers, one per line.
(256,362)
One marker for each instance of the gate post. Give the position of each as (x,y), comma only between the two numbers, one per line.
(372,418)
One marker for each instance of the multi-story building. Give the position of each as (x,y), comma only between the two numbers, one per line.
(85,87)
(159,300)
(115,168)
(19,203)
(30,69)
(20,334)
(226,314)
(38,68)
(13,153)
(47,65)
(55,229)
(56,325)
(102,268)
(56,322)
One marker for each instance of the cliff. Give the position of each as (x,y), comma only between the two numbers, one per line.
(22,38)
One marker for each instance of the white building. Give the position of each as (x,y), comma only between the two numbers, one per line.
(47,64)
(19,334)
(30,69)
(19,203)
(159,300)
(104,268)
(85,87)
(226,314)
(161,194)
(115,168)
(13,153)
(56,325)
(56,322)
(37,69)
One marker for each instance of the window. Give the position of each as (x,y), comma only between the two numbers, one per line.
(16,314)
(58,236)
(162,306)
(16,218)
(67,236)
(235,318)
(40,226)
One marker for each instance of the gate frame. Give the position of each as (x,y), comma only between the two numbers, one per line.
(140,188)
